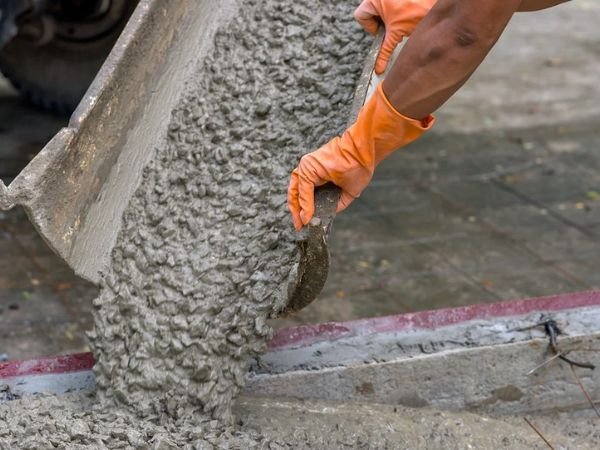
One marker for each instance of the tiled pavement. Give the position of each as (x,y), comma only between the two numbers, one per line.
(501,200)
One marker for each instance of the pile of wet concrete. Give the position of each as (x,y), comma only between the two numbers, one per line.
(71,422)
(206,244)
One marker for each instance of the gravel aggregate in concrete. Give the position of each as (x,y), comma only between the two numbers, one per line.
(206,245)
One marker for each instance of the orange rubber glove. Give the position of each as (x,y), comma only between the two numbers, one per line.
(350,160)
(400,18)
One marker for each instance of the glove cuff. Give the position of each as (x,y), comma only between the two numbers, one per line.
(424,124)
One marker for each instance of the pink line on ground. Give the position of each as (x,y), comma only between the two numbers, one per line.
(310,334)
(47,365)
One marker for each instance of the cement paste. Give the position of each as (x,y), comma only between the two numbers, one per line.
(206,245)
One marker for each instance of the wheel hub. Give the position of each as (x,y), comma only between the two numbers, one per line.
(72,21)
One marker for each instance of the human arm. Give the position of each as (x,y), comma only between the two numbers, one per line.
(400,18)
(444,50)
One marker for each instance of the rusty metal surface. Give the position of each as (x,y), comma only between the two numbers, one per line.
(313,266)
(76,188)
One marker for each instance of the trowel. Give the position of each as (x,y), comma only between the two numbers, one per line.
(310,274)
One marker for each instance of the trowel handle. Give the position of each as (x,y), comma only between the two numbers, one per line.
(327,196)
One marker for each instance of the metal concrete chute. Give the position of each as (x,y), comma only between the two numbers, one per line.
(76,189)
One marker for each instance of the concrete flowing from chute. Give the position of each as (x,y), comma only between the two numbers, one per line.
(206,245)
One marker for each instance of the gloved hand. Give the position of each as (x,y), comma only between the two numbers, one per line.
(400,18)
(350,160)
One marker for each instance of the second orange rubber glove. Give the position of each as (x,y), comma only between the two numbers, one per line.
(349,161)
(400,18)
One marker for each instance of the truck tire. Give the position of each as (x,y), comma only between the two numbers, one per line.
(56,75)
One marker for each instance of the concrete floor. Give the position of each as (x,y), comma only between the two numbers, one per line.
(501,200)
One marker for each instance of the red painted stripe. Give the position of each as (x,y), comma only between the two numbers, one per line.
(48,365)
(309,334)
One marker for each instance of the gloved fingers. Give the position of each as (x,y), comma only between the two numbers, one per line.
(391,40)
(367,17)
(344,201)
(293,201)
(306,198)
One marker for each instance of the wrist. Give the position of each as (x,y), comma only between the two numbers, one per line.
(424,123)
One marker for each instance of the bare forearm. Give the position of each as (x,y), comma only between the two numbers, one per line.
(444,50)
(536,5)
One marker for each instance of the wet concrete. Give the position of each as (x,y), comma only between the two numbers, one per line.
(289,424)
(106,422)
(205,246)
(483,208)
